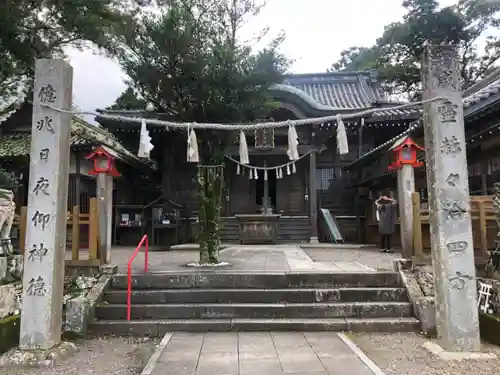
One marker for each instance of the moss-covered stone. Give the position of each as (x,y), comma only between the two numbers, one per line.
(9,332)
(490,328)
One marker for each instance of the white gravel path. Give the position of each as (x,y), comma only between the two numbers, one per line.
(100,356)
(403,354)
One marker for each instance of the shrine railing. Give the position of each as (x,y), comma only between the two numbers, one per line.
(79,241)
(144,241)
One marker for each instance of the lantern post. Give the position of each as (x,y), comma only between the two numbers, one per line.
(405,153)
(104,169)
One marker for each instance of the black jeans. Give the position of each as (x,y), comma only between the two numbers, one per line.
(385,241)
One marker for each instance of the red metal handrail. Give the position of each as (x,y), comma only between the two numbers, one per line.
(144,241)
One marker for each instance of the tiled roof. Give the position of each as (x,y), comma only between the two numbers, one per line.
(484,89)
(19,144)
(82,134)
(337,90)
(341,91)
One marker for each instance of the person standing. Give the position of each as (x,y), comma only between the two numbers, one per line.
(386,216)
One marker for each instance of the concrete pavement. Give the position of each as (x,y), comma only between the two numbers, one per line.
(259,353)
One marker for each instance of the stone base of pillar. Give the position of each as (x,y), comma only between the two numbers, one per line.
(314,240)
(18,358)
(439,352)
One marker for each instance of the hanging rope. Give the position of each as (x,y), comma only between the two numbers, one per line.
(251,126)
(266,168)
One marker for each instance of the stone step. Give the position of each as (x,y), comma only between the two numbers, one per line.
(257,295)
(228,280)
(158,328)
(257,311)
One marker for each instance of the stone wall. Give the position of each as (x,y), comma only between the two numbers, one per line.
(419,282)
(82,290)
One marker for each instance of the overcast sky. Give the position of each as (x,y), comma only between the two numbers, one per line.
(316,30)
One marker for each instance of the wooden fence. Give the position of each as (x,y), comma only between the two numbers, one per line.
(75,221)
(484,226)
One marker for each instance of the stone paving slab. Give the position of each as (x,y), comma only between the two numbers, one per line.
(248,258)
(258,353)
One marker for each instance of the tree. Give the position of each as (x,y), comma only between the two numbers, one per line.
(42,28)
(188,62)
(471,24)
(128,100)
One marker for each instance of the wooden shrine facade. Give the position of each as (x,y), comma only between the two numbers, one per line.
(318,181)
(369,174)
(15,148)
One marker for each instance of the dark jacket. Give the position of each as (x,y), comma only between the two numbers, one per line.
(387,216)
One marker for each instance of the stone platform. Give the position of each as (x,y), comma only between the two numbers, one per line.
(267,258)
(264,288)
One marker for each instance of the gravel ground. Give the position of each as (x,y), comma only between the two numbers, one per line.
(100,356)
(403,354)
(367,257)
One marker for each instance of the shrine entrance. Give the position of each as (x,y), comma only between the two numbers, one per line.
(265,191)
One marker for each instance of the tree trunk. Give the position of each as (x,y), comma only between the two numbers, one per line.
(210,184)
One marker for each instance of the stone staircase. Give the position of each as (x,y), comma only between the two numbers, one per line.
(208,301)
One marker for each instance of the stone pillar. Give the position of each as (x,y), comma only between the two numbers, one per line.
(43,279)
(406,186)
(313,200)
(449,202)
(109,208)
(104,216)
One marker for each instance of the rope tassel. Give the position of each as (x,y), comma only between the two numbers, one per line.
(244,159)
(192,150)
(238,171)
(145,145)
(294,170)
(255,174)
(288,169)
(342,143)
(293,144)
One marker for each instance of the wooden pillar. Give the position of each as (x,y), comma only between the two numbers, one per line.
(358,210)
(313,209)
(484,178)
(265,202)
(78,172)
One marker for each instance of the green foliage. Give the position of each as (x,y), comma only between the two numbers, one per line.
(188,61)
(128,100)
(473,25)
(9,332)
(41,28)
(8,180)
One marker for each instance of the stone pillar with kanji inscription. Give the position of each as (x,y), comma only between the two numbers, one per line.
(43,279)
(449,202)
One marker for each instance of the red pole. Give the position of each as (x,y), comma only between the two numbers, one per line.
(129,290)
(146,257)
(144,241)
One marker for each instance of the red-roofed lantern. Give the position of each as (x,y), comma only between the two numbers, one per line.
(405,153)
(405,161)
(104,162)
